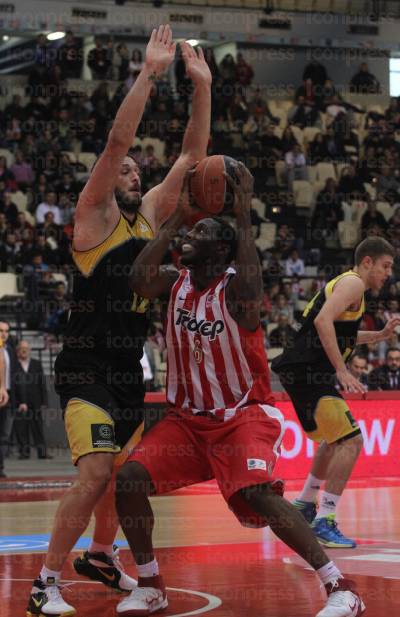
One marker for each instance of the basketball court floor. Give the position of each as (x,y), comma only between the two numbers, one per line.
(211,565)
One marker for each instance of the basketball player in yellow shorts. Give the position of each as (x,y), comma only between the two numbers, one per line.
(98,373)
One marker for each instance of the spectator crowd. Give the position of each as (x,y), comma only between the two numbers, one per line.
(45,137)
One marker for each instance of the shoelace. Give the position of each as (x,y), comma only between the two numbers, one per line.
(54,591)
(334,527)
(147,594)
(116,560)
(337,598)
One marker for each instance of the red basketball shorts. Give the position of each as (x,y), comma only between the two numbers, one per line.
(185,448)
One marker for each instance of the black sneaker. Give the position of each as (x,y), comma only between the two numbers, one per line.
(46,599)
(111,573)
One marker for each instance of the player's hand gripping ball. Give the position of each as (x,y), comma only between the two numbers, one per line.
(208,187)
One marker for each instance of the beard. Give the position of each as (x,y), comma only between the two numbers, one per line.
(128,203)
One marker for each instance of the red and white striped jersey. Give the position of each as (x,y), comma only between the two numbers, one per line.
(213,364)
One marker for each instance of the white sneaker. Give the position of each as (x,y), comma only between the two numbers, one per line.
(343,600)
(148,597)
(46,599)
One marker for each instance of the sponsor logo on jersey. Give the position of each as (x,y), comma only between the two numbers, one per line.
(210,329)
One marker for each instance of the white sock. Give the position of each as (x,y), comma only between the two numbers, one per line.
(148,569)
(329,573)
(310,489)
(95,547)
(46,573)
(327,504)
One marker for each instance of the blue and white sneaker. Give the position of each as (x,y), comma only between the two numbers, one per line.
(329,535)
(307,508)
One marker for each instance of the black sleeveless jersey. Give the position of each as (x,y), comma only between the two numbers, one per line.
(108,322)
(307,353)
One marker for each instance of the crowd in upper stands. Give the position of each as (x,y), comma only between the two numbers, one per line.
(41,169)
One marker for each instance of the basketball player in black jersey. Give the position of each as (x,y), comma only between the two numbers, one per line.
(98,373)
(308,370)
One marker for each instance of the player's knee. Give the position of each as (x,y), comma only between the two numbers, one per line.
(95,472)
(132,479)
(257,495)
(354,444)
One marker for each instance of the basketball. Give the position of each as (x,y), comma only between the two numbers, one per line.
(208,186)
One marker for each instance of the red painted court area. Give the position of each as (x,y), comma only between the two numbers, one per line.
(246,578)
(212,565)
(232,580)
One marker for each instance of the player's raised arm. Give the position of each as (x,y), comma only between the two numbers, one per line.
(148,277)
(97,206)
(348,292)
(161,201)
(245,291)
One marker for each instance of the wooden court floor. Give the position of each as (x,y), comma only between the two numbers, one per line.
(211,564)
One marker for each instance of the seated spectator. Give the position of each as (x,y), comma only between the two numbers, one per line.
(58,305)
(358,367)
(303,113)
(316,72)
(295,165)
(6,175)
(350,184)
(334,108)
(14,109)
(22,224)
(212,64)
(10,251)
(364,82)
(283,335)
(288,140)
(282,307)
(327,213)
(368,165)
(8,207)
(259,107)
(244,72)
(70,57)
(372,217)
(285,240)
(238,111)
(135,66)
(121,62)
(318,150)
(150,161)
(387,185)
(22,171)
(294,264)
(387,376)
(99,60)
(227,69)
(49,205)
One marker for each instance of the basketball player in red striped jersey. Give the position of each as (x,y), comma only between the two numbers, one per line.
(221,420)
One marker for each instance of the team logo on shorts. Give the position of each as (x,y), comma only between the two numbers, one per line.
(102,436)
(256,463)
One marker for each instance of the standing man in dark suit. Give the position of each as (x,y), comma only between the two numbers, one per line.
(30,397)
(387,376)
(6,409)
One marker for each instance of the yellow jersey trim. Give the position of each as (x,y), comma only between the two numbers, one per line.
(346,315)
(86,261)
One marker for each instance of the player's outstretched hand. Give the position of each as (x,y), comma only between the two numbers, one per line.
(160,50)
(350,383)
(196,66)
(390,327)
(242,187)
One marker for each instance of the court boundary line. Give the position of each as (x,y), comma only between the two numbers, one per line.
(213,601)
